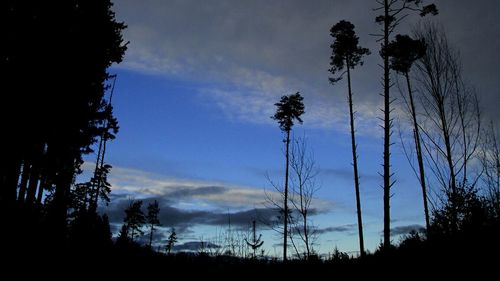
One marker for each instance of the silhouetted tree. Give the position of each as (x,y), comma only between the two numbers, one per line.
(56,111)
(304,172)
(289,108)
(134,219)
(172,239)
(152,219)
(403,52)
(347,53)
(452,124)
(490,160)
(256,241)
(392,15)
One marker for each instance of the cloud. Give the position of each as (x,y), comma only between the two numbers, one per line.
(340,228)
(246,57)
(405,229)
(182,192)
(186,204)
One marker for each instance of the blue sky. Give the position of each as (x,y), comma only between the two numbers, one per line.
(196,90)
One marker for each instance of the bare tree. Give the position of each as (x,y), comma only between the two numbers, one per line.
(452,123)
(490,160)
(301,232)
(304,187)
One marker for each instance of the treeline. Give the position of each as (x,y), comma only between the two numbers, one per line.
(53,59)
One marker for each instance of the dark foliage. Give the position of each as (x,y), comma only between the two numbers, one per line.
(54,58)
(345,49)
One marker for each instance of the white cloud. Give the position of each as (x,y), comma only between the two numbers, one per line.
(191,193)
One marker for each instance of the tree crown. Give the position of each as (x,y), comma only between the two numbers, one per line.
(345,48)
(403,51)
(289,108)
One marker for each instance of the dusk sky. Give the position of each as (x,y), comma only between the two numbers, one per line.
(197,87)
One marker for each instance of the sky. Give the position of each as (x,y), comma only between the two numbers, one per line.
(196,89)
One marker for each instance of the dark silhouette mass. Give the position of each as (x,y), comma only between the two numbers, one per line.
(54,57)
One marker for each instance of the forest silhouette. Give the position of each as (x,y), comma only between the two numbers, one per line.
(57,108)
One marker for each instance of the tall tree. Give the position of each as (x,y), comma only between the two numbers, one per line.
(393,12)
(289,109)
(152,219)
(134,219)
(347,53)
(452,124)
(403,52)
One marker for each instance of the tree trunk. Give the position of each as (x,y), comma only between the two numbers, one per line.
(418,149)
(41,188)
(11,167)
(24,181)
(151,236)
(355,163)
(34,175)
(285,205)
(387,133)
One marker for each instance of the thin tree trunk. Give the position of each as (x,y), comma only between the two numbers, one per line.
(387,134)
(41,188)
(34,177)
(24,181)
(94,195)
(303,211)
(151,236)
(355,164)
(10,177)
(418,148)
(449,159)
(285,205)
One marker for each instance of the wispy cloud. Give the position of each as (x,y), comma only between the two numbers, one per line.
(405,229)
(142,184)
(339,228)
(247,56)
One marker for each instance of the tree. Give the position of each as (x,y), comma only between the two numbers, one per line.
(134,219)
(55,112)
(452,123)
(490,160)
(289,108)
(347,53)
(172,239)
(152,219)
(390,19)
(256,241)
(304,172)
(403,52)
